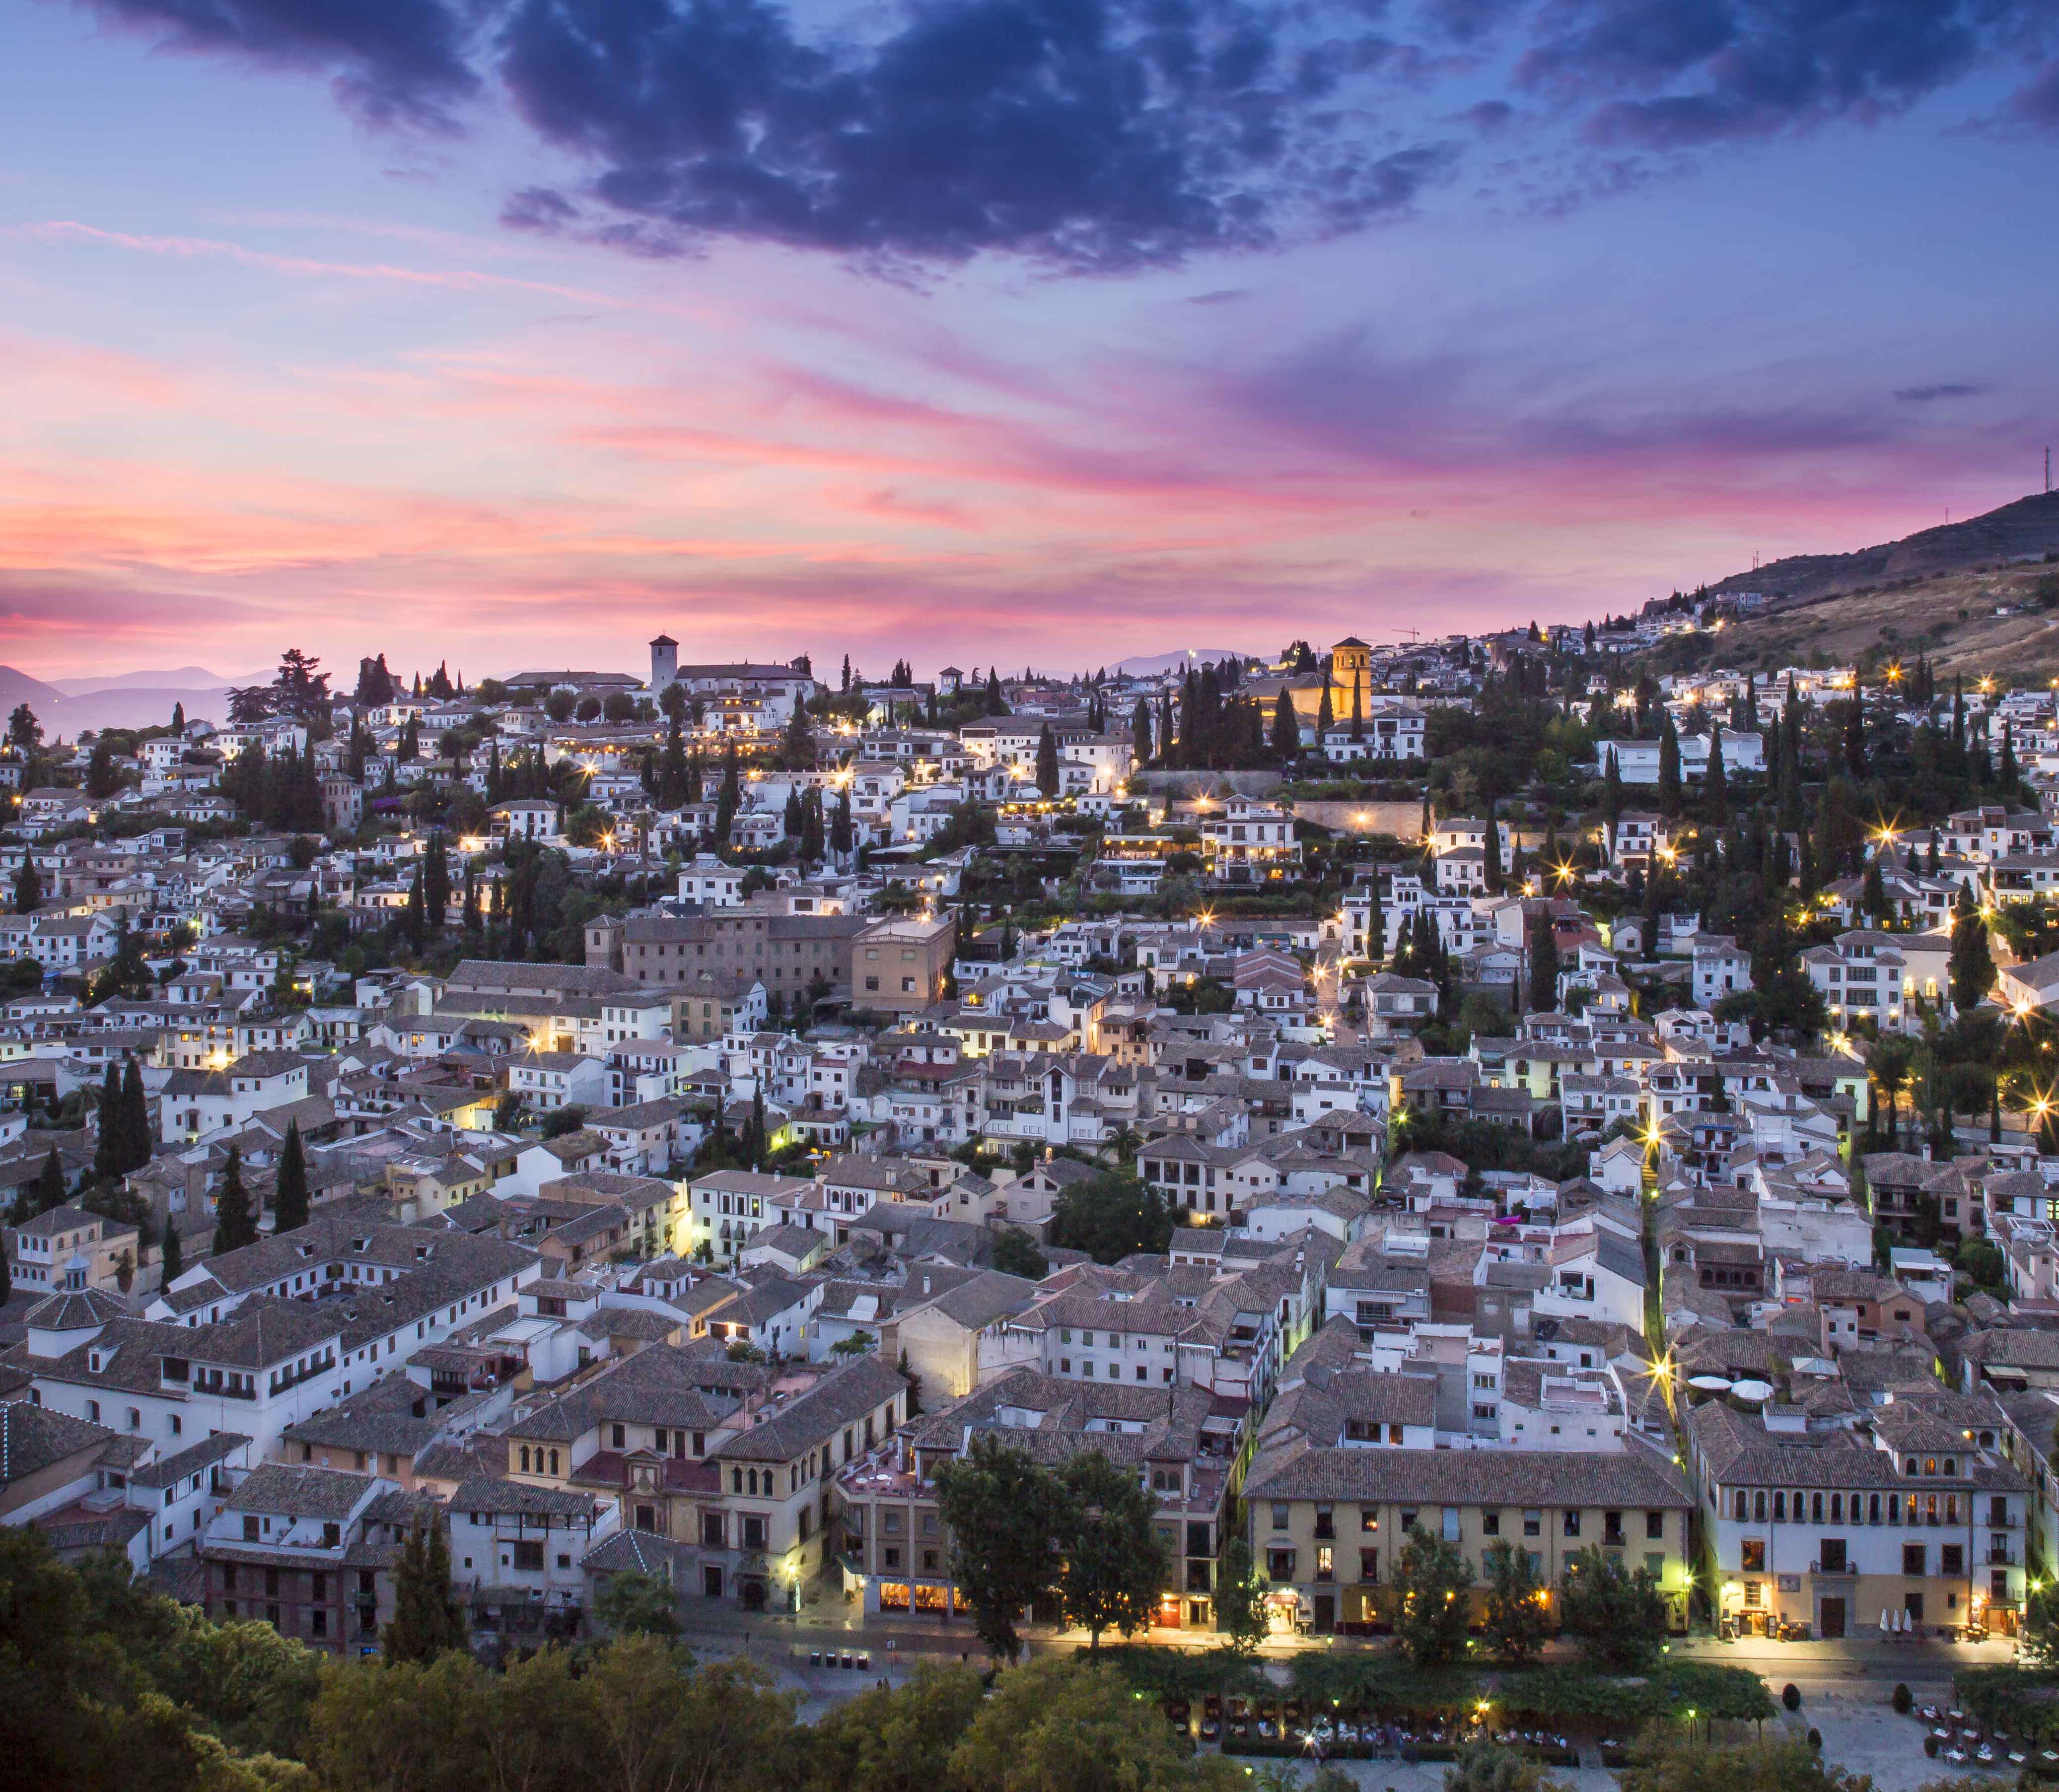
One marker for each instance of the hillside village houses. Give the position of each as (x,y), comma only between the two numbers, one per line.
(721,1096)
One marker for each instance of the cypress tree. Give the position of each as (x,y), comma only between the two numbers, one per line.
(174,1253)
(1286,727)
(51,1184)
(1611,790)
(1855,740)
(1544,970)
(1669,767)
(727,799)
(290,1204)
(426,1619)
(1376,920)
(234,1226)
(1047,760)
(137,1140)
(1140,731)
(435,882)
(1716,790)
(414,919)
(1324,716)
(107,1151)
(1971,967)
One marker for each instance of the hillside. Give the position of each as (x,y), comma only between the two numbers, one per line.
(124,706)
(1937,592)
(2025,529)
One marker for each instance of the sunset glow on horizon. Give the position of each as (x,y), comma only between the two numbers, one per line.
(379,342)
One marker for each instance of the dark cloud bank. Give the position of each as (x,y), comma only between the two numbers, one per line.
(1091,135)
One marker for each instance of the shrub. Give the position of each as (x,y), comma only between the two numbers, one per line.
(1816,1740)
(1901,1700)
(1931,1746)
(1791,1696)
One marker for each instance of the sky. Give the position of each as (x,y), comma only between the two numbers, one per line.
(511,333)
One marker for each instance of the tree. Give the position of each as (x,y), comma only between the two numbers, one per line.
(25,732)
(1669,768)
(28,884)
(2037,1637)
(1110,1216)
(1059,1726)
(234,1226)
(1140,731)
(1000,1507)
(1240,1585)
(1431,1605)
(1111,1561)
(290,1204)
(137,1141)
(171,1253)
(1015,1253)
(1668,1760)
(1047,760)
(107,1154)
(728,799)
(1543,969)
(1618,1617)
(1286,727)
(1715,785)
(436,882)
(1516,1618)
(101,779)
(1483,1766)
(895,1739)
(632,1604)
(1971,965)
(426,1619)
(51,1184)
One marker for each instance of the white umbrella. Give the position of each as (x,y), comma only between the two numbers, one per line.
(1901,1621)
(1885,1624)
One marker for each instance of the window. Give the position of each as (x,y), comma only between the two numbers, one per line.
(1951,1559)
(1490,1524)
(1832,1556)
(1326,1562)
(1654,1527)
(1572,1524)
(1368,1518)
(1533,1523)
(1279,1513)
(1751,1555)
(1368,1564)
(1280,1563)
(528,1556)
(1912,1558)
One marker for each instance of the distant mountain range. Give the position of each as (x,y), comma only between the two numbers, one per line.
(67,706)
(2027,530)
(1150,665)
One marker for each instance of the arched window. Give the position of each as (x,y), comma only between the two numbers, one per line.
(1909,1467)
(525,1458)
(1837,1508)
(1929,1465)
(736,1480)
(1758,1506)
(1873,1508)
(1951,1465)
(1815,1509)
(1951,1508)
(1779,1505)
(1743,1506)
(554,1462)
